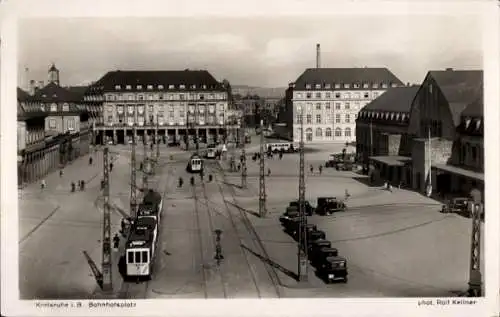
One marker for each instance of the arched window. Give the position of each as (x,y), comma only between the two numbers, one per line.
(338,132)
(347,132)
(319,132)
(328,132)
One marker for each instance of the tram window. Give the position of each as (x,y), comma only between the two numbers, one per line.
(137,257)
(130,255)
(145,256)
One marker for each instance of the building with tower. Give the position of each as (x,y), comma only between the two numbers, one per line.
(173,106)
(54,75)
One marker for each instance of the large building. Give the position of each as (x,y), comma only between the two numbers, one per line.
(329,100)
(173,105)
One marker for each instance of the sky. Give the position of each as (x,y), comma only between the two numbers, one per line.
(256,51)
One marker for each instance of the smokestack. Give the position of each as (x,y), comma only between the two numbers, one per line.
(318,56)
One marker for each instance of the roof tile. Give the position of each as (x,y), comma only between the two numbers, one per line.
(397,99)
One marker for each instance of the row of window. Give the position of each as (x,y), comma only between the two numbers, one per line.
(160,87)
(336,95)
(161,107)
(70,122)
(161,120)
(328,132)
(329,119)
(348,86)
(171,96)
(328,106)
(471,155)
(34,136)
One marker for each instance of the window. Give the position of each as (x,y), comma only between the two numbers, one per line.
(318,95)
(328,118)
(384,85)
(318,118)
(160,86)
(140,97)
(375,86)
(347,95)
(53,107)
(319,132)
(65,107)
(130,257)
(139,87)
(318,106)
(347,118)
(337,118)
(182,86)
(110,119)
(356,105)
(365,85)
(338,132)
(337,105)
(308,86)
(328,86)
(71,124)
(318,86)
(356,85)
(347,132)
(366,95)
(327,106)
(297,118)
(118,87)
(309,107)
(181,96)
(337,95)
(171,87)
(299,95)
(128,87)
(346,86)
(337,86)
(347,106)
(211,96)
(52,123)
(151,108)
(393,85)
(328,132)
(150,87)
(150,96)
(182,113)
(202,97)
(137,257)
(204,86)
(308,95)
(328,95)
(309,119)
(130,97)
(357,95)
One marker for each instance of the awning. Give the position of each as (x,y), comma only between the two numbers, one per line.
(391,160)
(460,171)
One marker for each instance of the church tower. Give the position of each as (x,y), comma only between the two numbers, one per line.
(53,74)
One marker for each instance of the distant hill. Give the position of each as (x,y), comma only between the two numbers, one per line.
(260,91)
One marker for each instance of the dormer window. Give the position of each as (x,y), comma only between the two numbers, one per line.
(53,107)
(65,107)
(318,86)
(160,86)
(478,124)
(182,86)
(375,86)
(54,95)
(356,85)
(204,86)
(193,86)
(150,87)
(171,87)
(384,85)
(393,85)
(128,87)
(337,86)
(365,85)
(308,86)
(467,123)
(118,87)
(346,86)
(139,87)
(328,86)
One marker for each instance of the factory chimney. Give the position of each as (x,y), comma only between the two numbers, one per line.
(318,56)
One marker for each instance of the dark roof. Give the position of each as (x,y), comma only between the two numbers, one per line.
(155,78)
(52,68)
(78,91)
(397,99)
(323,76)
(23,95)
(474,109)
(28,116)
(461,88)
(55,93)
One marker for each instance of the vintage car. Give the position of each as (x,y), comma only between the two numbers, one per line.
(457,205)
(329,205)
(318,258)
(290,213)
(309,209)
(333,160)
(333,268)
(317,245)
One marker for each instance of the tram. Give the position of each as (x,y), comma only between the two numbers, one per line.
(195,164)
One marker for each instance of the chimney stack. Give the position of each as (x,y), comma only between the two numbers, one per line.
(32,87)
(318,56)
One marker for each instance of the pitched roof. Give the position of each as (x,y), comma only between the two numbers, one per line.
(346,75)
(78,91)
(461,88)
(474,109)
(55,93)
(22,95)
(397,99)
(155,78)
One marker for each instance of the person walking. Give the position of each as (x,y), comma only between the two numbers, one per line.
(312,169)
(268,172)
(320,169)
(90,160)
(111,166)
(43,184)
(61,173)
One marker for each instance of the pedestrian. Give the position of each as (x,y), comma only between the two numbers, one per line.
(320,169)
(122,224)
(60,173)
(90,160)
(73,187)
(43,184)
(192,181)
(141,166)
(181,181)
(110,167)
(390,187)
(116,241)
(347,195)
(281,155)
(311,168)
(268,172)
(239,167)
(201,175)
(210,178)
(82,186)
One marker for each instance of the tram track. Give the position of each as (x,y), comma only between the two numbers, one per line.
(254,237)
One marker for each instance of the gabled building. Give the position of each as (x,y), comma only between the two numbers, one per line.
(438,115)
(382,133)
(329,100)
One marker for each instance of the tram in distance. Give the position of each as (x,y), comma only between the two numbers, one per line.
(195,164)
(143,236)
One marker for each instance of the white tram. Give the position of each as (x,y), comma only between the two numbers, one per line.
(211,153)
(140,249)
(195,164)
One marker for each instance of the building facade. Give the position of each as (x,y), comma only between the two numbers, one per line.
(169,105)
(329,100)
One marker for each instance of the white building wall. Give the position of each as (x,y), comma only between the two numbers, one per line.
(338,109)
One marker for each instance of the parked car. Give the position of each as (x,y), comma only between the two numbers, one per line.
(318,258)
(329,205)
(309,209)
(457,205)
(316,246)
(333,268)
